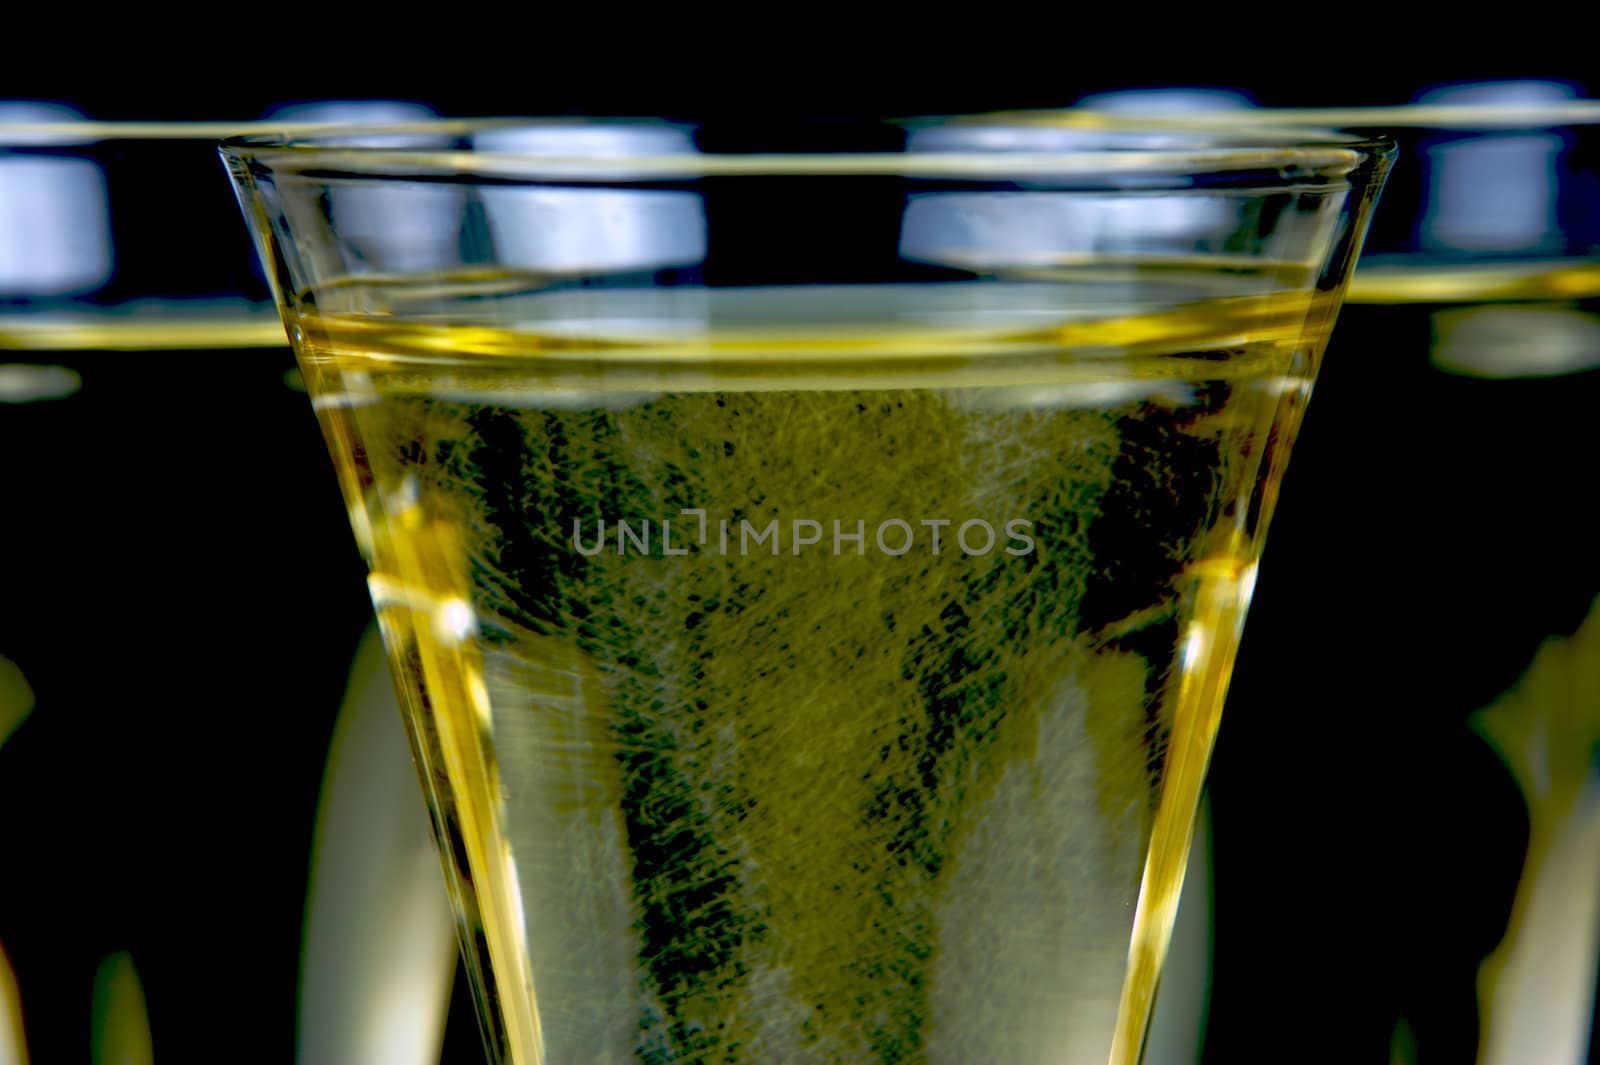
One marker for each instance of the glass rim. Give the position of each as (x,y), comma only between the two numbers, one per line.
(1292,152)
(1393,117)
(89,131)
(1447,116)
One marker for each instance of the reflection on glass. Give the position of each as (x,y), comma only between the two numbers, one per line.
(22,383)
(119,1023)
(1170,101)
(175,737)
(13,1044)
(1437,534)
(55,233)
(380,949)
(407,226)
(1539,985)
(1031,229)
(1017,232)
(1472,455)
(575,231)
(1494,192)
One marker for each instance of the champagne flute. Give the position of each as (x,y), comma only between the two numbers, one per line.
(811,591)
(1479,297)
(1437,518)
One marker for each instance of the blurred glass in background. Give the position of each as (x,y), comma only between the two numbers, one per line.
(179,611)
(1386,879)
(1432,569)
(1432,579)
(1167,101)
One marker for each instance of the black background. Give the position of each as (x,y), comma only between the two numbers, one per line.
(1365,855)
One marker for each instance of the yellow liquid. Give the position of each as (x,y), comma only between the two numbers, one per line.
(1487,283)
(155,327)
(715,797)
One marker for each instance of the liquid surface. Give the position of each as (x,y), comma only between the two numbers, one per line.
(155,325)
(722,781)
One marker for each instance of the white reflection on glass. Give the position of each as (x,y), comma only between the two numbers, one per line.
(1534,340)
(22,383)
(1084,395)
(567,231)
(1002,137)
(1166,101)
(1034,230)
(55,223)
(379,951)
(394,228)
(363,112)
(1008,229)
(1494,192)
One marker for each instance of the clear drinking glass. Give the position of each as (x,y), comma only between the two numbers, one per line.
(179,601)
(1471,453)
(812,592)
(1433,568)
